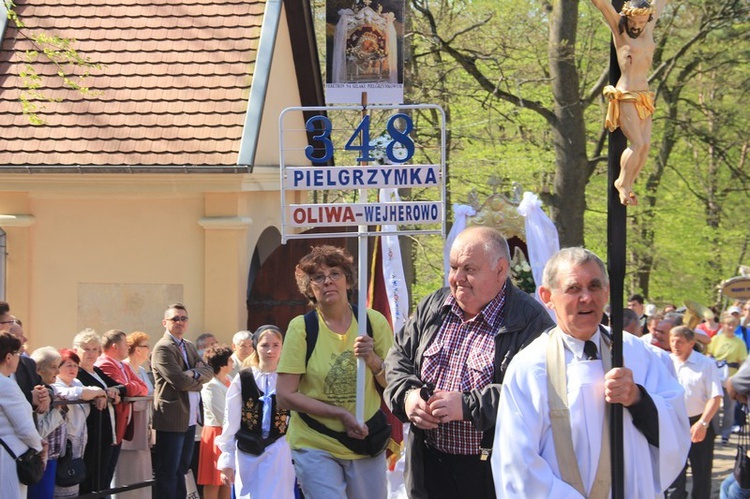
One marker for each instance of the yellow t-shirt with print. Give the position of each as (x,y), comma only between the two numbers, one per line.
(330,376)
(732,350)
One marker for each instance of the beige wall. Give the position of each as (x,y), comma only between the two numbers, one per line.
(115,256)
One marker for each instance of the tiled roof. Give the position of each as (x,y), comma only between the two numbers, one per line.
(172,89)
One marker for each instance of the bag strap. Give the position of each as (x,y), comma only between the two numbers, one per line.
(8,449)
(321,428)
(312,328)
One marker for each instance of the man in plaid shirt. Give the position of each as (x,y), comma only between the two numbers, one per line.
(447,364)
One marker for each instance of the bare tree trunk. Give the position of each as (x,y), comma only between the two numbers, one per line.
(712,206)
(572,169)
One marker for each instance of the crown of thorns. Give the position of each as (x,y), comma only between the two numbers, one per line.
(629,11)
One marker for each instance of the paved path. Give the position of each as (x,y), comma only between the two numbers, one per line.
(723,464)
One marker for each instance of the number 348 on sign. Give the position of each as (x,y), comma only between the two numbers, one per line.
(399,150)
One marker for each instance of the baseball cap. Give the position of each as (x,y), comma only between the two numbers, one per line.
(734,310)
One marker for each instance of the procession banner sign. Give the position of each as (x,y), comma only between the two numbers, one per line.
(364,51)
(351,157)
(372,147)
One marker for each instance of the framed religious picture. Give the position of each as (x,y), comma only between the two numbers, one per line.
(364,48)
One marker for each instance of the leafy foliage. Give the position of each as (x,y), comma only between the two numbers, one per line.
(489,64)
(698,42)
(54,49)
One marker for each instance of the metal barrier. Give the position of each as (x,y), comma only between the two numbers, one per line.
(99,492)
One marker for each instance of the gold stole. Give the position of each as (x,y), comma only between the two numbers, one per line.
(559,414)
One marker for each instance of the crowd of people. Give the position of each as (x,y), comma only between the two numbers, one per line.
(706,358)
(113,404)
(501,391)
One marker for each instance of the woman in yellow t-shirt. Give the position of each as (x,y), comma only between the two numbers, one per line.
(323,387)
(728,348)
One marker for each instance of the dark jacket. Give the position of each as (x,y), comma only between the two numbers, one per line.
(27,377)
(99,426)
(98,418)
(525,319)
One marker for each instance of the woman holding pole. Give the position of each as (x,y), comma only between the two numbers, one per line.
(317,380)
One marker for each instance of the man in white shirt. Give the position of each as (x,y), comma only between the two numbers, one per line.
(699,376)
(567,372)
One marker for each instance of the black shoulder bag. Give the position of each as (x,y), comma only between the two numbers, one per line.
(376,441)
(70,470)
(29,465)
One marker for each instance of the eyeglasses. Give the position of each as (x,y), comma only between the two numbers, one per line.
(319,279)
(179,318)
(17,352)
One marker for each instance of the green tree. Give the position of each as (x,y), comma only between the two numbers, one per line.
(701,143)
(547,97)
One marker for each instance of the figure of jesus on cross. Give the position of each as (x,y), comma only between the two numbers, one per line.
(631,104)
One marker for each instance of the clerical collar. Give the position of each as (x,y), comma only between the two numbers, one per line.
(576,346)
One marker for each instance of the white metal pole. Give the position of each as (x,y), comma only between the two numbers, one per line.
(362,310)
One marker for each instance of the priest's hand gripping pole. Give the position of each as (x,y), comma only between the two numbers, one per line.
(616,242)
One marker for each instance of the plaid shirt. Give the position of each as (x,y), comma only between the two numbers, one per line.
(462,358)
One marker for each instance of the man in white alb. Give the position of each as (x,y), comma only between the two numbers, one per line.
(553,404)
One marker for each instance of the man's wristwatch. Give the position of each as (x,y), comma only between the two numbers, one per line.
(703,423)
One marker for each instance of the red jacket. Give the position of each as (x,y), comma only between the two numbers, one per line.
(133,387)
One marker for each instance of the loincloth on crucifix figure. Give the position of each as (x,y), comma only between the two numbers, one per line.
(643,101)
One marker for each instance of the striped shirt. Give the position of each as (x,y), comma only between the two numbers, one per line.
(462,358)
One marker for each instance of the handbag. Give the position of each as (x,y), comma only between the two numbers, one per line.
(29,465)
(376,441)
(742,460)
(70,470)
